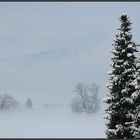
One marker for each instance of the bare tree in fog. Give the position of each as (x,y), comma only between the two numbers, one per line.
(87,99)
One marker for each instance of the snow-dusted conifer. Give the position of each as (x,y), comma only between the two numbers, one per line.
(121,83)
(136,98)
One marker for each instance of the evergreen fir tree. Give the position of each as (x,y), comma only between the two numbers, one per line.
(136,98)
(121,84)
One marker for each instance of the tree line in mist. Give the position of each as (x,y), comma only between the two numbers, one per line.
(86,100)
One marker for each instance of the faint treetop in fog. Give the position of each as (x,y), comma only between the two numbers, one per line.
(29,103)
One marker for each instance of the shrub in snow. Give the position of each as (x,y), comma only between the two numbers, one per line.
(121,106)
(52,105)
(29,103)
(87,99)
(7,102)
(76,105)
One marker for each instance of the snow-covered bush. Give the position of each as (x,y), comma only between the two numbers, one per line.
(7,102)
(87,99)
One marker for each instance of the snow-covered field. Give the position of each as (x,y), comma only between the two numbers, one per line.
(53,122)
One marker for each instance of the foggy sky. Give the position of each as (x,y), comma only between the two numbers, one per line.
(49,47)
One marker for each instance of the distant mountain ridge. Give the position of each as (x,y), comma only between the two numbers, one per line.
(55,54)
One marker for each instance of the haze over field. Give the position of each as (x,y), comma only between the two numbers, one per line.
(46,48)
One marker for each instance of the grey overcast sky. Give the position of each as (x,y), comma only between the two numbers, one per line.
(48,47)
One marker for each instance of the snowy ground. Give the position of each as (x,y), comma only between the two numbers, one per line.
(52,122)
